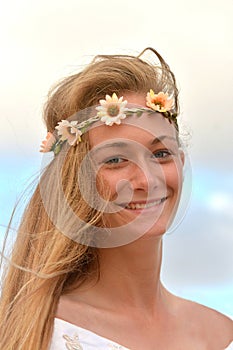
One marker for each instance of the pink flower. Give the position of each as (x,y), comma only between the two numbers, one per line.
(48,143)
(159,102)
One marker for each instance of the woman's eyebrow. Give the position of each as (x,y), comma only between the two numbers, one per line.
(161,138)
(122,144)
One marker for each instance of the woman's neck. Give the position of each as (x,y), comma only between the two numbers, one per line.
(128,284)
(130,275)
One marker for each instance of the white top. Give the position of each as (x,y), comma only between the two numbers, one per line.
(67,336)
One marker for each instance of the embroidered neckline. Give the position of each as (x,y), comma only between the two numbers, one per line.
(74,341)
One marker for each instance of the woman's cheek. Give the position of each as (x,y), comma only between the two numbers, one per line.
(106,183)
(173,175)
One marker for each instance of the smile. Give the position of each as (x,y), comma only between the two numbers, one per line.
(134,206)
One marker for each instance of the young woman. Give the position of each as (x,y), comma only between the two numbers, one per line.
(85,268)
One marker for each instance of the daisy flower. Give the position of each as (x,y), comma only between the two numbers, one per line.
(159,102)
(112,110)
(68,132)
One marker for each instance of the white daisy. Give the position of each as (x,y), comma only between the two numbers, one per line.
(112,110)
(69,132)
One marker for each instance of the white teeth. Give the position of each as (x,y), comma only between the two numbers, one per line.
(143,206)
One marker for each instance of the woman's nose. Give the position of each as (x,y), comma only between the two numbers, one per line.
(146,176)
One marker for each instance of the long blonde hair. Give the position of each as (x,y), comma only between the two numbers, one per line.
(45,263)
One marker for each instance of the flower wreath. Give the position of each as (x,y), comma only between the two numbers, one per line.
(110,111)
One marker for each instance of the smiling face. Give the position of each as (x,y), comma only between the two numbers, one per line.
(141,164)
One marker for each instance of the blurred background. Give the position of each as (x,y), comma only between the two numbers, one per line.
(41,42)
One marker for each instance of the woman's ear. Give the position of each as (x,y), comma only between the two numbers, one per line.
(182,156)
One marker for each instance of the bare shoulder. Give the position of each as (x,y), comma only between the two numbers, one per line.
(212,318)
(215,327)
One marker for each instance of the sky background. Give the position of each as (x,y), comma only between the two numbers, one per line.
(41,42)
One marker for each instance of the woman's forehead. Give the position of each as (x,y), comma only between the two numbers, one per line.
(143,129)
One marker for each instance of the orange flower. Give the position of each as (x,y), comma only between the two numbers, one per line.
(47,144)
(159,102)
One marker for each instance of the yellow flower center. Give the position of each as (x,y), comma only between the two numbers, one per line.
(113,110)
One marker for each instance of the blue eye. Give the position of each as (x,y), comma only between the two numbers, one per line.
(115,160)
(161,154)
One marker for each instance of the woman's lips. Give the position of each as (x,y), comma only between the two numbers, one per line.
(140,205)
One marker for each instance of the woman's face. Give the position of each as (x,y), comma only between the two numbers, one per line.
(141,164)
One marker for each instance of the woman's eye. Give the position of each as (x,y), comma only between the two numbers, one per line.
(161,154)
(115,160)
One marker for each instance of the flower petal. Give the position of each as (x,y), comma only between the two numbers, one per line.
(48,143)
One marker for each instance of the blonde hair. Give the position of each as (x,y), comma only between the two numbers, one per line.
(44,262)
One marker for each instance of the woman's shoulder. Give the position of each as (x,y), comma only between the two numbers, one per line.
(216,327)
(212,317)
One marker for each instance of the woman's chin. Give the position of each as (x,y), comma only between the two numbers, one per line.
(137,224)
